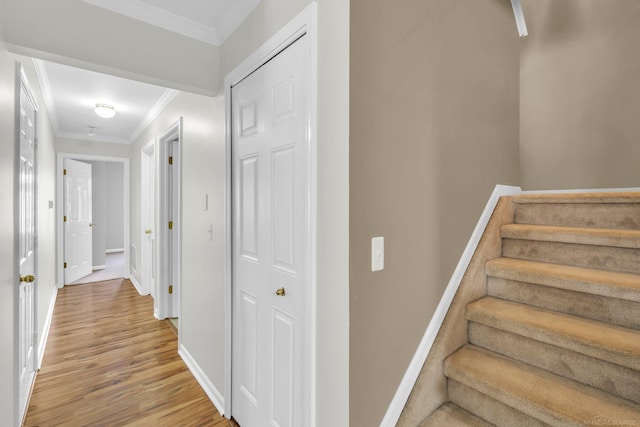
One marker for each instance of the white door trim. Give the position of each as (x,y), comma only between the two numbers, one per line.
(162,307)
(304,23)
(60,203)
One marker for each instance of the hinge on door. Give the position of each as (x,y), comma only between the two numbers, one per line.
(170,225)
(65,265)
(170,289)
(64,172)
(170,160)
(65,218)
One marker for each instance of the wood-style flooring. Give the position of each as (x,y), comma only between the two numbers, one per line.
(109,362)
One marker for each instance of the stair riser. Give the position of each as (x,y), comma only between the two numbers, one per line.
(593,215)
(594,372)
(487,408)
(599,257)
(612,310)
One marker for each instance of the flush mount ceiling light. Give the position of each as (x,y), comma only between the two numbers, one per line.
(105,111)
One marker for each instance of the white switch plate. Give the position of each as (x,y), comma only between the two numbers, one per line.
(377,253)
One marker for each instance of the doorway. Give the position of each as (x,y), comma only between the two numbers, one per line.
(121,250)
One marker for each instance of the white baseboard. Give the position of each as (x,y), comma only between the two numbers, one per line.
(112,251)
(98,267)
(136,284)
(216,397)
(47,327)
(413,371)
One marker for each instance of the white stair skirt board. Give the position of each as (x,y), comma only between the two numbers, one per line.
(417,362)
(212,392)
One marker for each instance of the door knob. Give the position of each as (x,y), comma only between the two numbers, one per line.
(281,292)
(147,231)
(28,278)
(91,224)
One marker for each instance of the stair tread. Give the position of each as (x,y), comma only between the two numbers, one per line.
(450,414)
(581,235)
(597,339)
(603,197)
(598,282)
(537,393)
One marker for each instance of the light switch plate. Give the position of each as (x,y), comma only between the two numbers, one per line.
(377,253)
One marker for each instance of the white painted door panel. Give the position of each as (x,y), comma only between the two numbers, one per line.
(270,180)
(28,238)
(78,238)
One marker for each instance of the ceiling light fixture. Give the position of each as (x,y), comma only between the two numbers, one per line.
(105,111)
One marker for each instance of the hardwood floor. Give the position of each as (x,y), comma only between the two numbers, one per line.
(108,362)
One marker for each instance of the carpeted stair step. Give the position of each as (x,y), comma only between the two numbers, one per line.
(452,415)
(593,210)
(592,338)
(598,282)
(610,377)
(539,394)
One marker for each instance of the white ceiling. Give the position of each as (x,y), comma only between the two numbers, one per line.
(210,21)
(72,93)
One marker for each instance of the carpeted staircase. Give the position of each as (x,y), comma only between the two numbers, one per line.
(556,339)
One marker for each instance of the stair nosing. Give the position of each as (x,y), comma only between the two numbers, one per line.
(577,198)
(605,283)
(560,329)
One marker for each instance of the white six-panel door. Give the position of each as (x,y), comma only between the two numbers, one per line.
(271,196)
(78,235)
(27,229)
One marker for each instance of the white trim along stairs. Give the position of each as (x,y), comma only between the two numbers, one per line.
(544,325)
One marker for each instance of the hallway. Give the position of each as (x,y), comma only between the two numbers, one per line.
(108,361)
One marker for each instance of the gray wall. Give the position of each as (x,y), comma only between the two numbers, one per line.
(434,127)
(114,177)
(580,94)
(99,211)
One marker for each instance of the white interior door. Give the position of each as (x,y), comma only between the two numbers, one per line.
(270,191)
(28,238)
(78,238)
(148,179)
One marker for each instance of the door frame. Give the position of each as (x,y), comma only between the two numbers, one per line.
(162,306)
(303,24)
(60,213)
(148,165)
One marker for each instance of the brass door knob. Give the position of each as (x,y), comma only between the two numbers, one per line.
(91,224)
(281,292)
(147,231)
(28,279)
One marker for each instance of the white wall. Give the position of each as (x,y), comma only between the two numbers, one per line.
(202,311)
(114,186)
(77,146)
(79,34)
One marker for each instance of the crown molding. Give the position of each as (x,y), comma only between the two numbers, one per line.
(45,87)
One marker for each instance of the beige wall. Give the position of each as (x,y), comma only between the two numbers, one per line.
(580,94)
(77,33)
(434,127)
